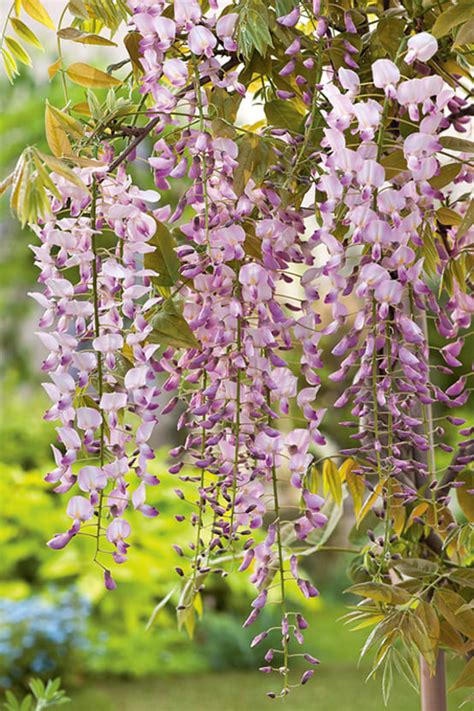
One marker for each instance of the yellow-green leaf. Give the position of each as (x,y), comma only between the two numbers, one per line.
(132,44)
(187,618)
(465,34)
(198,604)
(370,501)
(450,638)
(452,17)
(430,620)
(56,136)
(85,75)
(381,592)
(446,216)
(18,176)
(36,10)
(6,182)
(11,67)
(75,35)
(18,51)
(54,68)
(58,166)
(332,481)
(78,9)
(347,466)
(355,484)
(70,124)
(24,32)
(82,108)
(453,607)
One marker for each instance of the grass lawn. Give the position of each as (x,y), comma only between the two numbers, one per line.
(332,689)
(338,684)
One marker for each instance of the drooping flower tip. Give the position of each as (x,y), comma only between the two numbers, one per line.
(109,582)
(306,676)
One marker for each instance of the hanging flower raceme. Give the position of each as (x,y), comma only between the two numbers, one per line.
(393,389)
(95,300)
(235,381)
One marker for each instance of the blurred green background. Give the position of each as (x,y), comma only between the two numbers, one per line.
(55,616)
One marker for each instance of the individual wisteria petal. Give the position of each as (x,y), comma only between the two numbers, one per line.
(386,76)
(201,40)
(421,46)
(79,508)
(290,19)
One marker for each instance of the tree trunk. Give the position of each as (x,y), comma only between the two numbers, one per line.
(433,688)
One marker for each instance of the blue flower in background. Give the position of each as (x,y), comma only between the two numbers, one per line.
(41,635)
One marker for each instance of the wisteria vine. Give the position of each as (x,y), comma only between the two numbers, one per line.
(329,222)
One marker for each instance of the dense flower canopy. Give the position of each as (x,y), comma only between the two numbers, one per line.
(341,217)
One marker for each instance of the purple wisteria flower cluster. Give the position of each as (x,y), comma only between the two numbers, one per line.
(257,276)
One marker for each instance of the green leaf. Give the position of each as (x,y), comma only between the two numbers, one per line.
(283,114)
(466,499)
(389,33)
(453,143)
(452,17)
(466,678)
(27,703)
(94,105)
(394,164)
(405,669)
(24,32)
(253,32)
(387,679)
(253,158)
(225,104)
(37,687)
(171,329)
(163,260)
(463,577)
(446,175)
(416,567)
(467,221)
(187,619)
